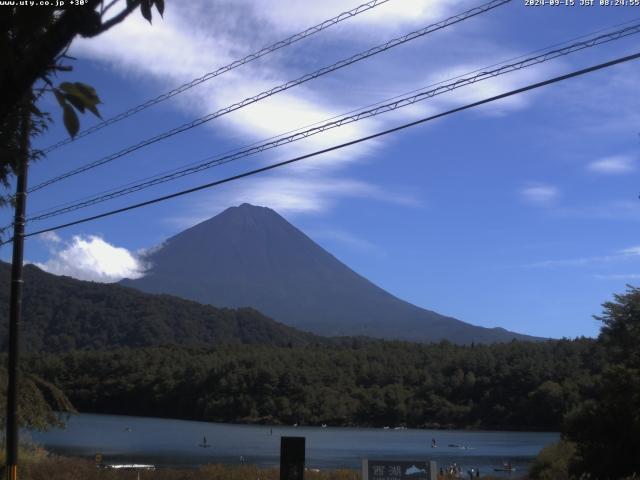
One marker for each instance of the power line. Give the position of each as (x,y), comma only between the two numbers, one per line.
(299,129)
(398,102)
(285,86)
(343,145)
(208,76)
(371,105)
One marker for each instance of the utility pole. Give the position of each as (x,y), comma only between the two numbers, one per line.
(15,308)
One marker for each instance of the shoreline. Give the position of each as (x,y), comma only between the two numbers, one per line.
(174,444)
(264,423)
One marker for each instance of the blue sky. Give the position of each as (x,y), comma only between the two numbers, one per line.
(521,214)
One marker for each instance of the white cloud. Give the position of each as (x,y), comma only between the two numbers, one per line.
(540,195)
(625,210)
(349,239)
(613,113)
(50,238)
(202,36)
(312,193)
(491,86)
(618,276)
(616,165)
(288,16)
(631,250)
(575,262)
(302,192)
(624,254)
(91,258)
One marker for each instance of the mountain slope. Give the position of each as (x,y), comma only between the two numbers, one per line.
(61,313)
(251,256)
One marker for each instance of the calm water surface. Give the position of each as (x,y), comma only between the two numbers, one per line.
(166,442)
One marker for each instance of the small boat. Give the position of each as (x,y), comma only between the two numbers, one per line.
(204,443)
(131,466)
(506,467)
(385,428)
(324,425)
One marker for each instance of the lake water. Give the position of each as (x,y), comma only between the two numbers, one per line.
(166,442)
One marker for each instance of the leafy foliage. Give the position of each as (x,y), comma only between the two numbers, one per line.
(33,43)
(553,462)
(356,383)
(11,144)
(40,403)
(78,96)
(38,466)
(263,371)
(34,40)
(606,426)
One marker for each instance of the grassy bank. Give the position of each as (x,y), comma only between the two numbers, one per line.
(37,464)
(64,468)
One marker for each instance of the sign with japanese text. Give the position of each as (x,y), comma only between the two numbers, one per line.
(398,470)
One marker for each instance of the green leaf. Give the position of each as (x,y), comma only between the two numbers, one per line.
(71,121)
(145,9)
(76,102)
(81,96)
(68,87)
(160,7)
(94,110)
(83,92)
(59,97)
(88,91)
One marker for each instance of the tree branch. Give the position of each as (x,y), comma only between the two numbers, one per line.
(45,49)
(106,9)
(113,21)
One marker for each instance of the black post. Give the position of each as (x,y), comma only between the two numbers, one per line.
(292,458)
(15,308)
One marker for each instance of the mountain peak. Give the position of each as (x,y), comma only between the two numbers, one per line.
(248,205)
(250,256)
(246,210)
(231,218)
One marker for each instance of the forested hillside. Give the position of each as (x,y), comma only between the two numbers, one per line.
(60,314)
(518,385)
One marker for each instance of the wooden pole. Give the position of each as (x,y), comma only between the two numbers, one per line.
(15,308)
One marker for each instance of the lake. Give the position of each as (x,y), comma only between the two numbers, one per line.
(175,443)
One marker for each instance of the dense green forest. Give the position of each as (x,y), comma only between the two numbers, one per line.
(110,349)
(40,403)
(518,385)
(61,313)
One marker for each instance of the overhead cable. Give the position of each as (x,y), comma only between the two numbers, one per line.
(285,86)
(398,102)
(353,111)
(208,76)
(340,146)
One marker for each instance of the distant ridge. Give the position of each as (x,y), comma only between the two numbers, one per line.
(250,256)
(61,314)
